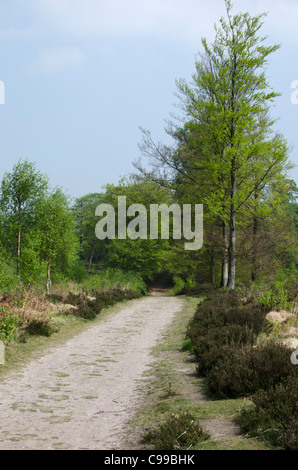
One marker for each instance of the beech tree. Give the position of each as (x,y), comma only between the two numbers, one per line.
(227,112)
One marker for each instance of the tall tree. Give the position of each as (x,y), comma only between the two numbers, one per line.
(227,106)
(20,192)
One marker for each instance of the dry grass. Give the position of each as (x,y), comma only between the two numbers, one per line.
(32,306)
(284,326)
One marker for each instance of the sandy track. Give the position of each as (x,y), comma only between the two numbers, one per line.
(80,395)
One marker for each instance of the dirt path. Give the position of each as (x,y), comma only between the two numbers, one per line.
(81,395)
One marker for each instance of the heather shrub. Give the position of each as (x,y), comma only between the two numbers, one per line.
(224,309)
(274,415)
(178,432)
(225,320)
(38,327)
(212,346)
(88,307)
(248,369)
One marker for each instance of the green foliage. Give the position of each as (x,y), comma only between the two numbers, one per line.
(54,234)
(109,279)
(55,230)
(141,256)
(8,280)
(146,257)
(33,270)
(20,192)
(279,294)
(179,283)
(226,155)
(92,250)
(77,272)
(8,325)
(178,432)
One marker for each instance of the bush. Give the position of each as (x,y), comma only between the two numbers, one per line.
(212,346)
(38,327)
(279,293)
(179,284)
(8,279)
(274,415)
(89,307)
(178,432)
(224,321)
(8,325)
(245,371)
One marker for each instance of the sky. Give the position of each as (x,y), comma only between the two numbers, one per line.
(80,77)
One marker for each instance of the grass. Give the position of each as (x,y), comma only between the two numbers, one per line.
(110,278)
(236,443)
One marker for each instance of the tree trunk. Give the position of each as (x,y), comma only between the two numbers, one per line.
(19,242)
(232,244)
(49,282)
(225,257)
(19,254)
(90,261)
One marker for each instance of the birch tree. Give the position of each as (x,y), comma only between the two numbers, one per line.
(20,191)
(55,233)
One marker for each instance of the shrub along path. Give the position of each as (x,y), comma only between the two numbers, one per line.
(80,395)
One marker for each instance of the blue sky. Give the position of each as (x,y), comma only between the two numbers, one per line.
(81,77)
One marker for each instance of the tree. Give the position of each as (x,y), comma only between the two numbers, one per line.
(20,192)
(91,249)
(55,232)
(226,111)
(148,256)
(232,99)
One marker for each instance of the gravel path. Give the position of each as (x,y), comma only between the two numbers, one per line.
(81,395)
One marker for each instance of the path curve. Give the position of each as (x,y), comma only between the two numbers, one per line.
(81,395)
